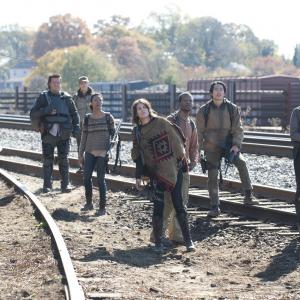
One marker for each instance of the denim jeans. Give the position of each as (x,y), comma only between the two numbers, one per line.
(90,161)
(176,196)
(63,147)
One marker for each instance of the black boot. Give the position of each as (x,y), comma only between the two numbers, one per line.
(184,225)
(297,206)
(88,205)
(47,169)
(64,173)
(157,224)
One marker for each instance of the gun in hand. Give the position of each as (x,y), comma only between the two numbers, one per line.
(229,160)
(203,163)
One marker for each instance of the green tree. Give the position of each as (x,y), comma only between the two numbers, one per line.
(60,32)
(71,63)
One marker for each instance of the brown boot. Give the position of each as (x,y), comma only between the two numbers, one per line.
(249,199)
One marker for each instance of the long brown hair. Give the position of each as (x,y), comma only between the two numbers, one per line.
(135,118)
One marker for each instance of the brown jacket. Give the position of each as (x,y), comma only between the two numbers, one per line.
(190,134)
(212,138)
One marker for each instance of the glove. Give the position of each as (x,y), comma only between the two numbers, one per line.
(48,109)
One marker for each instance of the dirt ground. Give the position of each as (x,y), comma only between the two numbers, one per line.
(114,259)
(28,269)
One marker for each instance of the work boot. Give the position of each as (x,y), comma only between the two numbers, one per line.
(101,212)
(164,240)
(157,224)
(87,206)
(66,189)
(184,225)
(249,199)
(214,211)
(297,207)
(47,173)
(46,190)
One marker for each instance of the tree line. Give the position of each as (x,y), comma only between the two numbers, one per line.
(166,48)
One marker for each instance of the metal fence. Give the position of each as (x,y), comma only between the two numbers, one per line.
(258,106)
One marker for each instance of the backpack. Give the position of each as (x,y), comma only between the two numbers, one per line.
(230,107)
(37,123)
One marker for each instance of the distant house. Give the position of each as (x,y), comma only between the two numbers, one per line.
(17,74)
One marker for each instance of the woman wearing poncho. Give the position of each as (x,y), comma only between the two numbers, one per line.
(158,147)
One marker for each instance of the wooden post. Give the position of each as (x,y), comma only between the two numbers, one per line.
(25,100)
(124,102)
(231,91)
(172,93)
(17,98)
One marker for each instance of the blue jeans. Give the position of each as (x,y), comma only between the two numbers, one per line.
(90,161)
(63,147)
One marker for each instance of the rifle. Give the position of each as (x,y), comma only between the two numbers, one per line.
(203,163)
(115,139)
(229,160)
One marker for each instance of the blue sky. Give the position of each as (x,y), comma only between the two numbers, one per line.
(276,20)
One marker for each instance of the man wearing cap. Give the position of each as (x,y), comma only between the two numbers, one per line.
(82,101)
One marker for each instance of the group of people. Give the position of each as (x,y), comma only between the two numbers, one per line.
(164,150)
(58,116)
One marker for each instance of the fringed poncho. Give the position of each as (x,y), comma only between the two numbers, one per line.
(161,144)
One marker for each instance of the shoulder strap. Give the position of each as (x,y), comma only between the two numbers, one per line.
(231,108)
(193,125)
(47,97)
(86,120)
(137,133)
(206,112)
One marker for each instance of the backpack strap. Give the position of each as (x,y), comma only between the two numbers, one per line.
(206,112)
(230,106)
(86,120)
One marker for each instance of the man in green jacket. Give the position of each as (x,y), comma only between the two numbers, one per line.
(220,130)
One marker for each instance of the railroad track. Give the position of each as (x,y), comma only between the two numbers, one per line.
(273,207)
(72,288)
(95,258)
(261,143)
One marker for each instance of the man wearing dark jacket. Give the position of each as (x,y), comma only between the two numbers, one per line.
(58,118)
(295,137)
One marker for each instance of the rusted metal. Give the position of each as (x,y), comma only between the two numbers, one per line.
(74,290)
(229,202)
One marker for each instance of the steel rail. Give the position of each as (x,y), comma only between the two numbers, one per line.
(273,204)
(73,289)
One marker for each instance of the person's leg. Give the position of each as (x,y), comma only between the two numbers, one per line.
(48,157)
(241,165)
(157,217)
(296,153)
(168,208)
(181,213)
(174,229)
(213,163)
(89,164)
(63,147)
(101,170)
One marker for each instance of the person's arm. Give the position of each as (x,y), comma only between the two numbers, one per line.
(237,129)
(83,140)
(74,116)
(294,126)
(200,125)
(193,149)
